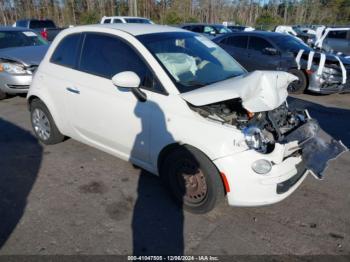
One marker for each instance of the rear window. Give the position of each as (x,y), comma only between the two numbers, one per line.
(20,38)
(137,21)
(66,51)
(41,24)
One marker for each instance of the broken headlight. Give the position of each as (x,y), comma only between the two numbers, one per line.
(256,139)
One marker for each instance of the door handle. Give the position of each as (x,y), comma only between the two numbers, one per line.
(73,90)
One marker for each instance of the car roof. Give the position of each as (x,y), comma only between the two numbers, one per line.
(12,29)
(133,29)
(126,17)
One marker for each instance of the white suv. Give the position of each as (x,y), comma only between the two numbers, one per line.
(176,104)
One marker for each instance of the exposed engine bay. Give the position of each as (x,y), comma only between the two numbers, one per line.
(262,129)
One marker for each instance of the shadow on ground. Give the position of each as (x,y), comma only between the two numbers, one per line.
(20,159)
(335,121)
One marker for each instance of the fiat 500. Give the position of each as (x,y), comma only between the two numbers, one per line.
(177,105)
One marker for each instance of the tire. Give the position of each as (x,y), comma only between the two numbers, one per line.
(3,95)
(41,119)
(187,165)
(298,86)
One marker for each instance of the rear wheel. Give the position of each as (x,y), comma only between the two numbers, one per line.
(43,124)
(297,86)
(193,179)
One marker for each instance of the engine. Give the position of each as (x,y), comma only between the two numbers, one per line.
(263,129)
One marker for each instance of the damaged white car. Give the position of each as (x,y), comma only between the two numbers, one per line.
(177,105)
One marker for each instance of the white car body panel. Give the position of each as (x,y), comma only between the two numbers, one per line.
(259,90)
(113,120)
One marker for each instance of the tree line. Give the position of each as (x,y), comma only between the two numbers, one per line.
(246,12)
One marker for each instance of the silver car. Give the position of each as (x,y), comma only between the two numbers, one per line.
(21,51)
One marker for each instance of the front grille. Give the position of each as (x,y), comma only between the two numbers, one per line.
(18,86)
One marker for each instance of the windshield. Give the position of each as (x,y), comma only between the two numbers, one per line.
(220,29)
(192,61)
(290,44)
(20,38)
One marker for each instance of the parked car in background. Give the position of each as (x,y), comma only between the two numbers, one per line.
(176,104)
(46,27)
(125,20)
(238,28)
(333,39)
(274,51)
(208,30)
(21,51)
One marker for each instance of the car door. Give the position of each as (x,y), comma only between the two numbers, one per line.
(102,114)
(258,58)
(236,46)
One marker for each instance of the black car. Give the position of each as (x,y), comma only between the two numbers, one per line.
(46,28)
(208,30)
(260,50)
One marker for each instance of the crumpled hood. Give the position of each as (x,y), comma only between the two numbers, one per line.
(259,90)
(28,55)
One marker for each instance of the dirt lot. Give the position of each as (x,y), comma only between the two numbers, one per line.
(73,199)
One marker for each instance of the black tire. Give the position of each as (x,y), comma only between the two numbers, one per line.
(298,86)
(188,164)
(3,95)
(55,135)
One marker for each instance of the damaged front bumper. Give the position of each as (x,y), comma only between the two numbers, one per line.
(323,84)
(306,150)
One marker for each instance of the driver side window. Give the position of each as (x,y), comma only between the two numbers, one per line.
(115,57)
(258,44)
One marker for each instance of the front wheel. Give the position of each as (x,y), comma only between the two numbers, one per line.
(193,179)
(297,86)
(43,124)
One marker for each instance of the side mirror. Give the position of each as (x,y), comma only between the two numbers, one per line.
(270,51)
(126,79)
(130,80)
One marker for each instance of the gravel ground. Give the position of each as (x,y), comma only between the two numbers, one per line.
(72,199)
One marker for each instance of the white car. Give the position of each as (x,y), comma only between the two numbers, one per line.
(125,20)
(177,105)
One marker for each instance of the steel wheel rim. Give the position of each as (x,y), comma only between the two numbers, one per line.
(191,182)
(41,124)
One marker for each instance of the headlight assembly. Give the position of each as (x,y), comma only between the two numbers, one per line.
(12,68)
(255,139)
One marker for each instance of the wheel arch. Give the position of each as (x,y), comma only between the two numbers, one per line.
(170,147)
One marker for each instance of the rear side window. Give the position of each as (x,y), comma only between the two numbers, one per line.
(117,21)
(41,24)
(116,56)
(21,23)
(238,41)
(258,44)
(337,34)
(107,21)
(197,29)
(66,51)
